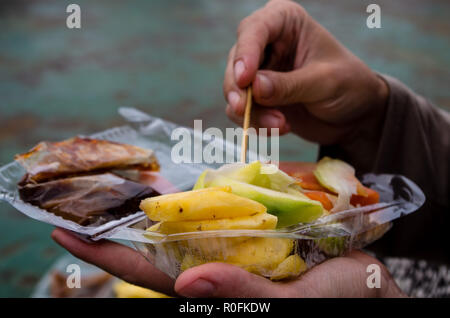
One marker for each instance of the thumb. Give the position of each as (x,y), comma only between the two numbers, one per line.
(308,84)
(224,280)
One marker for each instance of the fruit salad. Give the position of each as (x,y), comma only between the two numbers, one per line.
(254,196)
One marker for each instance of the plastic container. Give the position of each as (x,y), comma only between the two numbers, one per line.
(283,253)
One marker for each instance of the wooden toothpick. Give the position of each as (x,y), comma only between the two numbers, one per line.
(248,108)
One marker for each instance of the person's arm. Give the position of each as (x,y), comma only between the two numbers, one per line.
(411,138)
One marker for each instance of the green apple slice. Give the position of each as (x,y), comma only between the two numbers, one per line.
(289,208)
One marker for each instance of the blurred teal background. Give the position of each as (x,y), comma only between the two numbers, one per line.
(166,58)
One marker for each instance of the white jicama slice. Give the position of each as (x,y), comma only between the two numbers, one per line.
(339,177)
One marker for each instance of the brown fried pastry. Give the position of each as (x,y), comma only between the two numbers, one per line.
(88,200)
(80,155)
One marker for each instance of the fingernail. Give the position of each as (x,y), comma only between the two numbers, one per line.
(239,69)
(199,288)
(233,100)
(270,121)
(265,86)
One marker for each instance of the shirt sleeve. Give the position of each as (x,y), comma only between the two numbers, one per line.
(412,139)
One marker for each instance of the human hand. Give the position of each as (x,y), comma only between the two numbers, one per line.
(304,81)
(117,259)
(337,277)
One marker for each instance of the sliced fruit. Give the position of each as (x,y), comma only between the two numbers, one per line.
(256,173)
(277,180)
(190,260)
(201,204)
(303,173)
(333,246)
(293,167)
(258,255)
(289,208)
(200,184)
(291,267)
(212,246)
(322,197)
(260,221)
(127,290)
(371,198)
(248,173)
(339,177)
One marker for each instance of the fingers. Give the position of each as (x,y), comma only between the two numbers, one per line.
(258,30)
(234,95)
(117,259)
(262,118)
(338,277)
(253,36)
(304,85)
(344,276)
(255,32)
(224,280)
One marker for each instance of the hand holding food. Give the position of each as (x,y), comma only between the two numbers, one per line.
(233,199)
(241,219)
(224,280)
(224,220)
(300,76)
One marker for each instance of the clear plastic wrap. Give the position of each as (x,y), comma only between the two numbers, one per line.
(277,254)
(145,131)
(89,200)
(282,253)
(81,155)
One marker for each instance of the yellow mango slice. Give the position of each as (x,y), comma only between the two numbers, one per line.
(191,260)
(199,205)
(259,255)
(123,289)
(260,221)
(291,267)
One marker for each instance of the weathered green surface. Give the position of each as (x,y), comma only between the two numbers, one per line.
(166,58)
